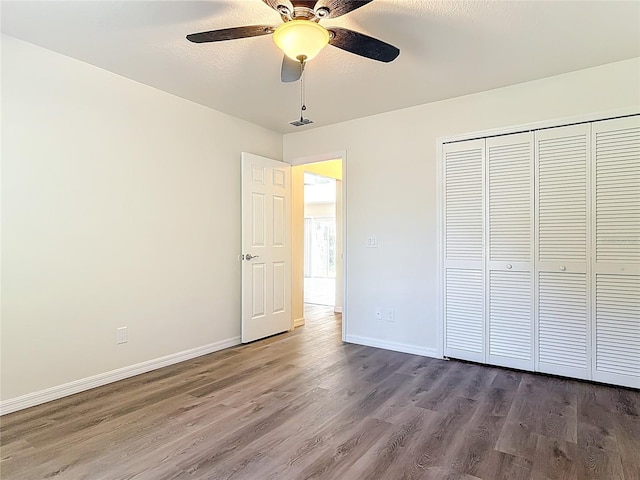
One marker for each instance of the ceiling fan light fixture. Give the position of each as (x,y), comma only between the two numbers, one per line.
(301,39)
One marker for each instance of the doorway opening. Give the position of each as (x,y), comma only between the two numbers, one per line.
(319,240)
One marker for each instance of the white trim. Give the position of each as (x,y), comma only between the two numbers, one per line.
(396,347)
(298,322)
(526,127)
(322,157)
(337,309)
(77,386)
(440,249)
(345,248)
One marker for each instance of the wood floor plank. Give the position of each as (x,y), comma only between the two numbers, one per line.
(397,455)
(444,473)
(627,432)
(597,463)
(502,466)
(517,439)
(346,449)
(555,459)
(305,405)
(473,452)
(497,401)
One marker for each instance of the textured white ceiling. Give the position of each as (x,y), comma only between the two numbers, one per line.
(448,48)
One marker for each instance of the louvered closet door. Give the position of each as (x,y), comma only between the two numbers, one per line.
(463,250)
(510,230)
(562,253)
(616,245)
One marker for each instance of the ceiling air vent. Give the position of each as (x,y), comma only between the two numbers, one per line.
(301,122)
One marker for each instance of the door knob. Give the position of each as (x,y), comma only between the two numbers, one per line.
(248,256)
(563,268)
(509,266)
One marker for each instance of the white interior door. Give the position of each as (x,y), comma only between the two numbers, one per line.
(266,247)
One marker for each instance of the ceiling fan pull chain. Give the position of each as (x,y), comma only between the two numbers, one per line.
(303,107)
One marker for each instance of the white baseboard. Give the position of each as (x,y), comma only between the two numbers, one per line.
(337,310)
(397,347)
(299,322)
(77,386)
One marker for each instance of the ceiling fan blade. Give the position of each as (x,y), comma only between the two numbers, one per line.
(231,33)
(337,8)
(291,70)
(363,45)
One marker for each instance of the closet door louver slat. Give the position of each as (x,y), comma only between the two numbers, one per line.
(562,312)
(510,319)
(617,193)
(616,244)
(562,198)
(617,335)
(464,257)
(463,173)
(464,314)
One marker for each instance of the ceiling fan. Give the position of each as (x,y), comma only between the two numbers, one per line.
(301,37)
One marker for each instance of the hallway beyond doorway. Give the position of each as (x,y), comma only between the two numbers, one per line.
(320,291)
(317,231)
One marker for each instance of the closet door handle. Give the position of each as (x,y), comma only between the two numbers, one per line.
(563,268)
(509,266)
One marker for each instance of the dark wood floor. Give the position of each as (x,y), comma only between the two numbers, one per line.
(303,405)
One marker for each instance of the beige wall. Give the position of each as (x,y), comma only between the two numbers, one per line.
(121,207)
(331,169)
(392,190)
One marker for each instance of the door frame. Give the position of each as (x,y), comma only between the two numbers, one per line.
(323,157)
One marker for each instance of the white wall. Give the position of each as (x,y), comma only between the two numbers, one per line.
(121,207)
(392,189)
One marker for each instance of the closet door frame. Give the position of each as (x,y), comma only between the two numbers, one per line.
(482,134)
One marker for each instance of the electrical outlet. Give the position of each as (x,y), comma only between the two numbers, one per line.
(372,241)
(390,315)
(122,335)
(378,313)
